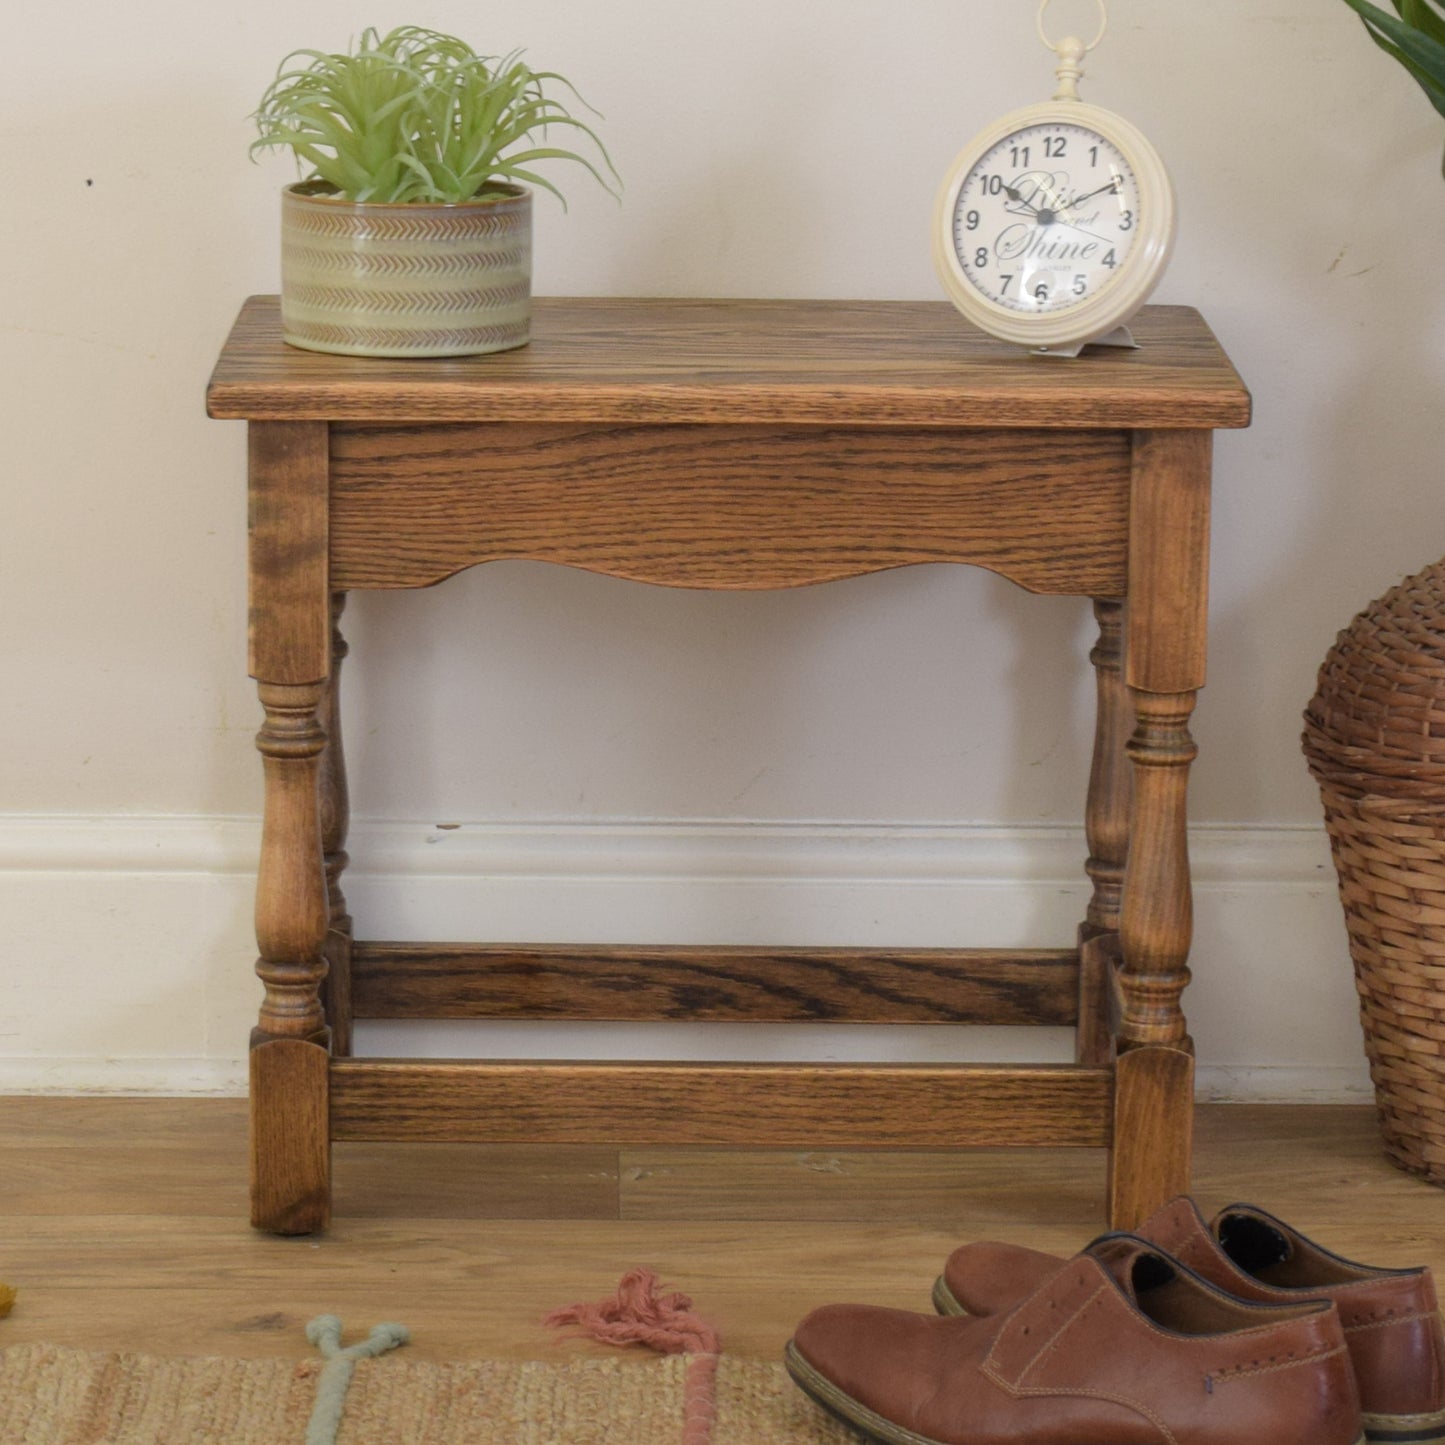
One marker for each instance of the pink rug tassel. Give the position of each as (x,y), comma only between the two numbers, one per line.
(640,1314)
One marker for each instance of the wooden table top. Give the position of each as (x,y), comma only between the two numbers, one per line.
(814,363)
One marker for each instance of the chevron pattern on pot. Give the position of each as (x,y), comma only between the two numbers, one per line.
(408,341)
(405,280)
(371,262)
(383,223)
(351,298)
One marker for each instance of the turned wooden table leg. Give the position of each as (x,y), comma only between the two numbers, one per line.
(290,1143)
(1154,1070)
(1164,667)
(335,820)
(290,659)
(1106,828)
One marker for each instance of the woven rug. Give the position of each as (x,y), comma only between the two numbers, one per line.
(55,1396)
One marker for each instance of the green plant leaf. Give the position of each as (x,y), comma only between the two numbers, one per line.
(516,173)
(417,114)
(1423,16)
(1422,56)
(551,153)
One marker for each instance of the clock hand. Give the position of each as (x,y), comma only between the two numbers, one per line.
(1079,200)
(1016,196)
(1090,234)
(1043,215)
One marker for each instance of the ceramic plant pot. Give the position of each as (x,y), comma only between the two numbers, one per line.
(366,279)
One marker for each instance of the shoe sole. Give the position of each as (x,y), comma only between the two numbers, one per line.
(822,1391)
(1405,1429)
(943,1300)
(872,1426)
(1379,1429)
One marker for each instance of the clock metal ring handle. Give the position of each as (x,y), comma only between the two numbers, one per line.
(1043,34)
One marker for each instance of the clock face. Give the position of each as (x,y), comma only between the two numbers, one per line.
(1046,218)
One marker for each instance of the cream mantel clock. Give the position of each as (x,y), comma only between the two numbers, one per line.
(1055,223)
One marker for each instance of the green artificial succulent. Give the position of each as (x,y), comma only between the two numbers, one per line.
(1415,36)
(418,116)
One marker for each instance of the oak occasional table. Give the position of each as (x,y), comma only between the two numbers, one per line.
(726,444)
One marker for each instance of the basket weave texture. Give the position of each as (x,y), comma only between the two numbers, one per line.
(1375,741)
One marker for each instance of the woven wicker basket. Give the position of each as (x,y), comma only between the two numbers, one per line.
(1375,741)
(1382,685)
(1390,856)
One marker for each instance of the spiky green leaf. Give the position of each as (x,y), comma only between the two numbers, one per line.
(1423,16)
(1421,55)
(418,115)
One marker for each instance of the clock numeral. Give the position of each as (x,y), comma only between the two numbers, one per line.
(1003,290)
(980,258)
(1041,291)
(1055,146)
(1093,155)
(1126,220)
(1080,284)
(1110,259)
(1020,155)
(970,221)
(991,185)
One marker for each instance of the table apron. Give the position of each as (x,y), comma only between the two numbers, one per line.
(729,507)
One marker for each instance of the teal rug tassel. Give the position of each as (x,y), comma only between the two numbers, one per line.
(325,1333)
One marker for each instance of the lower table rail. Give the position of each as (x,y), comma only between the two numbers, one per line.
(760,1105)
(714,985)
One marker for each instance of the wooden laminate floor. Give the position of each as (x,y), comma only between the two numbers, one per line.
(123,1225)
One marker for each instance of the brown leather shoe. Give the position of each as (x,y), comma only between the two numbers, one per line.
(1391,1316)
(1122,1346)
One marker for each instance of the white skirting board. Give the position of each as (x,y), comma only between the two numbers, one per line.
(128,952)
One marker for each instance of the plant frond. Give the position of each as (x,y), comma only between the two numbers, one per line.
(1424,15)
(516,173)
(1421,55)
(418,114)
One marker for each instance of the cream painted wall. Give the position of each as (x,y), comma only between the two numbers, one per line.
(769,149)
